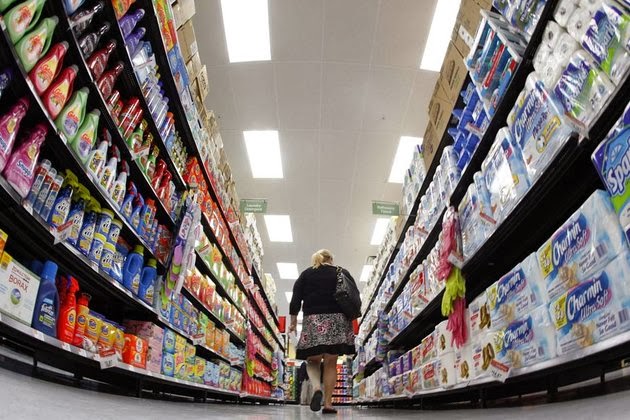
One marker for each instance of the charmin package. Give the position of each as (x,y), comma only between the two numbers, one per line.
(516,293)
(595,309)
(583,244)
(484,350)
(612,160)
(528,340)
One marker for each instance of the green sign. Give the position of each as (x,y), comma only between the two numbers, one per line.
(254,205)
(385,208)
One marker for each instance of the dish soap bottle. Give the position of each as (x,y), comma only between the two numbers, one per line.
(132,269)
(68,311)
(22,18)
(107,81)
(129,21)
(9,127)
(73,114)
(147,281)
(47,302)
(88,43)
(80,21)
(84,140)
(57,95)
(48,67)
(98,61)
(21,166)
(35,44)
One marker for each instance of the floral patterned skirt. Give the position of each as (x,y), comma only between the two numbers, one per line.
(325,334)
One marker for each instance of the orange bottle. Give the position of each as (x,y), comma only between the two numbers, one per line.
(68,312)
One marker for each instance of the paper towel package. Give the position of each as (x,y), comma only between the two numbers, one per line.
(564,10)
(516,293)
(528,340)
(447,375)
(430,378)
(612,160)
(464,364)
(443,338)
(428,348)
(595,309)
(582,245)
(479,316)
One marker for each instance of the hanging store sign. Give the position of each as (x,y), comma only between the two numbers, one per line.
(385,208)
(254,205)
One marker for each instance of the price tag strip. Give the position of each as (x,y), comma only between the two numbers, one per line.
(499,371)
(61,232)
(198,339)
(108,359)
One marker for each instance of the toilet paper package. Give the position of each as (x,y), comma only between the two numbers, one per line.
(564,49)
(428,348)
(595,309)
(539,128)
(447,375)
(543,53)
(585,243)
(474,227)
(578,23)
(564,10)
(528,340)
(583,89)
(484,350)
(464,364)
(479,321)
(443,338)
(430,378)
(505,175)
(590,5)
(518,292)
(612,160)
(552,34)
(606,39)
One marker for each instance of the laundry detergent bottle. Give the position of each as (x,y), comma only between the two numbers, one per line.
(76,214)
(147,281)
(47,302)
(35,43)
(48,67)
(59,92)
(85,138)
(80,21)
(22,18)
(129,21)
(68,311)
(9,127)
(97,63)
(20,169)
(82,312)
(73,114)
(132,269)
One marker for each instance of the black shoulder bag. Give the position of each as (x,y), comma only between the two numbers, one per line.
(347,296)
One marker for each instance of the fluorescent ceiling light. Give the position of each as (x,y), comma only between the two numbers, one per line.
(366,272)
(263,150)
(440,34)
(380,229)
(403,157)
(288,271)
(288,295)
(279,228)
(246,25)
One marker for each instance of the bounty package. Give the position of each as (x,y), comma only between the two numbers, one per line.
(612,160)
(595,309)
(582,245)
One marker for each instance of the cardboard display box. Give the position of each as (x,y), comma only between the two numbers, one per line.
(430,143)
(187,40)
(453,73)
(467,24)
(183,11)
(440,109)
(193,66)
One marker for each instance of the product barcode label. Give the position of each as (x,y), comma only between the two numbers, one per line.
(82,353)
(601,250)
(623,316)
(108,361)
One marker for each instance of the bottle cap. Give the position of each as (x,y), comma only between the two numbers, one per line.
(139,249)
(152,263)
(49,271)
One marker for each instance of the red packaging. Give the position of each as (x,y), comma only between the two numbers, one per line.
(135,351)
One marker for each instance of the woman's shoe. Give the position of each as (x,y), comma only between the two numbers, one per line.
(316,401)
(329,411)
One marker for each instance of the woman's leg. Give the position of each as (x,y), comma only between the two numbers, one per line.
(330,378)
(313,368)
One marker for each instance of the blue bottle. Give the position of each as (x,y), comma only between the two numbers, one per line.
(127,205)
(61,208)
(132,270)
(47,302)
(147,281)
(138,204)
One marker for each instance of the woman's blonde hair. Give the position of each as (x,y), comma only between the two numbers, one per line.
(320,257)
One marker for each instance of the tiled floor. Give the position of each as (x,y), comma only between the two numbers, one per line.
(23,397)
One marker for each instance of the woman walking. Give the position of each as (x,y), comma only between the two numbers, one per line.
(326,331)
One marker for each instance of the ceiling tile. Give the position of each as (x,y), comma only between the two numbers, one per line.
(255,95)
(416,117)
(349,30)
(344,90)
(299,94)
(387,98)
(337,151)
(296,30)
(208,23)
(375,155)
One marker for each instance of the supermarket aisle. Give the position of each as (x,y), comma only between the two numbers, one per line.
(29,398)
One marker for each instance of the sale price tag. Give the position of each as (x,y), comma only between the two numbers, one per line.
(142,152)
(199,339)
(499,371)
(61,232)
(108,359)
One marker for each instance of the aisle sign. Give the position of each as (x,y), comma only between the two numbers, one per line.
(385,208)
(254,205)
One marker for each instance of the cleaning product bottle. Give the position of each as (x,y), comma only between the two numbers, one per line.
(146,290)
(38,180)
(35,44)
(107,81)
(82,312)
(86,236)
(130,116)
(133,40)
(88,43)
(133,268)
(6,75)
(71,6)
(109,174)
(61,208)
(134,141)
(57,94)
(55,187)
(22,18)
(150,164)
(72,115)
(9,127)
(85,138)
(79,22)
(68,311)
(20,169)
(127,205)
(165,190)
(39,201)
(138,204)
(121,7)
(76,214)
(97,63)
(159,173)
(47,302)
(129,21)
(48,67)
(96,160)
(147,215)
(117,190)
(4,4)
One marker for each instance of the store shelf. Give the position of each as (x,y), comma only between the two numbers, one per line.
(265,320)
(261,398)
(261,336)
(263,292)
(218,286)
(262,359)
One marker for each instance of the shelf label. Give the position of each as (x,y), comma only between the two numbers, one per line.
(38,334)
(198,339)
(385,208)
(253,205)
(108,359)
(65,346)
(499,371)
(61,232)
(82,353)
